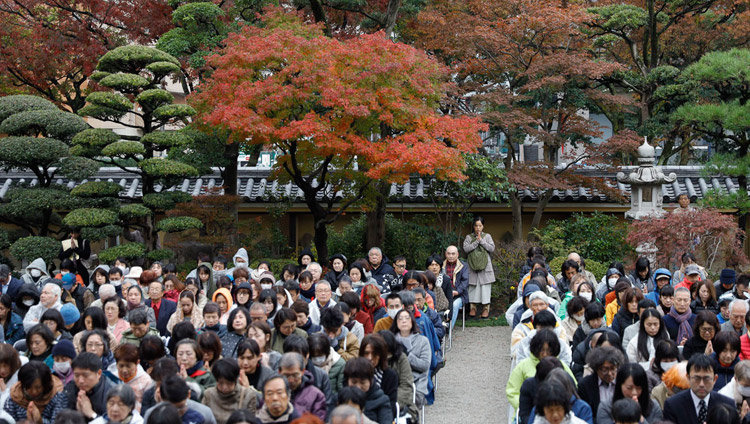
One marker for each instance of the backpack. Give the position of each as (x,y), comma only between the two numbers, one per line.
(477,258)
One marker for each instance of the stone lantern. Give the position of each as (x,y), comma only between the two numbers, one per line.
(645,185)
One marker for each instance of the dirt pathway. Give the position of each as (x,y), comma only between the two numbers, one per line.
(471,387)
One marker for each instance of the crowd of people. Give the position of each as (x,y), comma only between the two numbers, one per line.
(646,346)
(130,342)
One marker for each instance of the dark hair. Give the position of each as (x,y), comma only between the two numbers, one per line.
(266,329)
(706,317)
(52,315)
(599,355)
(193,345)
(643,264)
(663,350)
(98,319)
(534,251)
(320,345)
(127,352)
(574,305)
(687,255)
(394,326)
(633,294)
(44,332)
(542,337)
(379,348)
(612,338)
(211,308)
(594,310)
(552,394)
(209,341)
(546,365)
(233,315)
(643,336)
(646,303)
(352,394)
(331,318)
(724,340)
(222,259)
(358,368)
(640,379)
(395,349)
(103,335)
(164,413)
(351,299)
(568,264)
(269,294)
(545,319)
(301,307)
(227,369)
(174,389)
(248,344)
(181,330)
(163,368)
(295,343)
(306,275)
(433,258)
(700,362)
(114,270)
(37,370)
(292,285)
(626,410)
(619,267)
(151,349)
(87,361)
(9,356)
(121,310)
(723,413)
(69,416)
(242,416)
(69,265)
(290,268)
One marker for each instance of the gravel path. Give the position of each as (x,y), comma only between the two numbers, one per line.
(471,387)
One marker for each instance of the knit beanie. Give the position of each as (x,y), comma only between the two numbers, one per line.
(70,313)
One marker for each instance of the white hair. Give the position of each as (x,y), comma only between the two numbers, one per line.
(56,290)
(738,301)
(312,264)
(346,411)
(321,282)
(377,249)
(106,291)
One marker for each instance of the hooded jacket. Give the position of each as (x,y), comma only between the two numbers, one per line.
(308,398)
(230,303)
(196,318)
(92,284)
(347,344)
(241,253)
(383,273)
(39,282)
(34,314)
(26,290)
(210,285)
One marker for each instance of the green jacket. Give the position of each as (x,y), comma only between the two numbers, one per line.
(336,375)
(129,337)
(522,371)
(206,380)
(277,339)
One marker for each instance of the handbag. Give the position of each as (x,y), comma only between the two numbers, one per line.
(477,258)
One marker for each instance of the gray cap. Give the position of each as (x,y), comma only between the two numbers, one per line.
(692,269)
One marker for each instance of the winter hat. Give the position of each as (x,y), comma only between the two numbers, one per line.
(530,288)
(68,280)
(613,271)
(662,273)
(727,277)
(538,295)
(135,273)
(70,313)
(692,269)
(64,348)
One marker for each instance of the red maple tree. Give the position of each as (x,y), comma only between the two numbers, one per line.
(344,113)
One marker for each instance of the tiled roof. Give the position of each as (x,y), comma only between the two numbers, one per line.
(254,186)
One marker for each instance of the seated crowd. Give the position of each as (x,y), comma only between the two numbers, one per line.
(125,343)
(641,347)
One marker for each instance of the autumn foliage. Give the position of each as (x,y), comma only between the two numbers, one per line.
(710,235)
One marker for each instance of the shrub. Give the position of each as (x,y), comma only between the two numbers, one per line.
(30,248)
(132,211)
(179,223)
(97,189)
(597,268)
(160,255)
(90,217)
(102,233)
(596,236)
(127,250)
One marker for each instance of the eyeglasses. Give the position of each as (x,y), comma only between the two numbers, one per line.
(94,344)
(708,330)
(608,370)
(706,379)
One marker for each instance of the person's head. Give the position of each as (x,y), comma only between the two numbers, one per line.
(737,311)
(552,402)
(316,270)
(349,411)
(538,301)
(404,323)
(115,276)
(204,273)
(248,355)
(676,378)
(569,268)
(681,299)
(36,380)
(285,321)
(375,256)
(626,411)
(605,361)
(545,366)
(700,370)
(630,298)
(306,280)
(226,372)
(50,295)
(210,344)
(69,416)
(276,395)
(742,377)
(683,200)
(6,306)
(331,319)
(139,324)
(724,308)
(53,319)
(478,224)
(302,311)
(371,297)
(393,304)
(356,273)
(188,353)
(375,349)
(706,325)
(451,254)
(151,349)
(726,345)
(320,348)
(114,309)
(39,339)
(632,383)
(87,370)
(706,291)
(292,366)
(187,301)
(238,321)
(10,361)
(666,298)
(95,341)
(651,325)
(120,402)
(576,308)
(127,357)
(544,343)
(242,416)
(323,292)
(240,275)
(269,301)
(594,314)
(219,263)
(175,390)
(359,372)
(545,319)
(666,355)
(260,332)
(134,295)
(741,286)
(155,290)
(722,413)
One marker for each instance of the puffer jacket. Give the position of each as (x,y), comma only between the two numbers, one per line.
(43,279)
(308,398)
(623,320)
(129,337)
(229,342)
(581,350)
(347,344)
(378,406)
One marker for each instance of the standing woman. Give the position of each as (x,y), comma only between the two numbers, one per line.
(77,250)
(479,246)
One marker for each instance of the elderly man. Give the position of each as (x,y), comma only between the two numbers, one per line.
(538,301)
(346,414)
(163,308)
(277,406)
(316,270)
(599,386)
(420,297)
(575,257)
(49,299)
(458,272)
(380,267)
(322,300)
(680,319)
(105,292)
(305,396)
(738,310)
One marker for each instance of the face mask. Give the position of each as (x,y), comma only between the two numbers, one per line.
(64,272)
(578,318)
(28,302)
(585,295)
(392,313)
(318,360)
(116,283)
(61,367)
(266,286)
(744,391)
(667,365)
(612,281)
(35,273)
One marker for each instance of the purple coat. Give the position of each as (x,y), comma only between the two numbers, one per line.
(308,398)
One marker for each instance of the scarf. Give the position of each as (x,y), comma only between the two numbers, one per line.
(439,280)
(125,421)
(195,370)
(309,293)
(685,331)
(16,393)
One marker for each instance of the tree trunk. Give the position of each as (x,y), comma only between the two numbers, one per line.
(391,15)
(517,216)
(376,217)
(320,238)
(229,175)
(540,206)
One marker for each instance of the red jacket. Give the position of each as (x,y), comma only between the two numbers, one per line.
(744,347)
(685,283)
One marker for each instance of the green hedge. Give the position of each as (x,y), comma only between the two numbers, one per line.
(179,223)
(127,250)
(30,248)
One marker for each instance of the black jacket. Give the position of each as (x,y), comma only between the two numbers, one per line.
(694,345)
(526,399)
(97,395)
(623,320)
(680,407)
(378,406)
(588,391)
